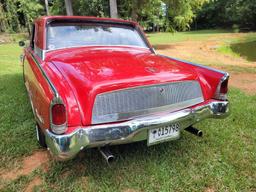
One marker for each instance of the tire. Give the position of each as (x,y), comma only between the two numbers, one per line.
(40,137)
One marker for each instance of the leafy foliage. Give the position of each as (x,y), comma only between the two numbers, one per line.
(228,13)
(149,13)
(153,15)
(181,13)
(98,8)
(17,13)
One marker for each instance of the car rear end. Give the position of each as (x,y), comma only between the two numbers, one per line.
(123,94)
(155,113)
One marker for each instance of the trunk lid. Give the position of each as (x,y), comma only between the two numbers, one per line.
(94,70)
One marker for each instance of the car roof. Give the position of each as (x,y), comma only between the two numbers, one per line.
(46,19)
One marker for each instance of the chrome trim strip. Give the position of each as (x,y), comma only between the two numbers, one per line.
(67,146)
(217,94)
(140,113)
(85,46)
(56,94)
(39,52)
(91,20)
(56,100)
(195,64)
(225,77)
(150,85)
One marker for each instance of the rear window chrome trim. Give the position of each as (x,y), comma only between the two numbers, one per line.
(102,46)
(95,21)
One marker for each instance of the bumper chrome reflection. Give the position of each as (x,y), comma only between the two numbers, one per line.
(67,146)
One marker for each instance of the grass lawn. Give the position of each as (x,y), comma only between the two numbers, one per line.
(16,117)
(243,47)
(223,160)
(165,38)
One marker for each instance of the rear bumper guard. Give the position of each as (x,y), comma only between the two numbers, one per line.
(67,146)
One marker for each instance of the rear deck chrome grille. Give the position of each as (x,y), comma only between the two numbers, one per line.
(128,103)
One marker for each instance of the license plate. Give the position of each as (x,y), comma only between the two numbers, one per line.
(165,133)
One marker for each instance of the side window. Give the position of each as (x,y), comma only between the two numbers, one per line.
(32,40)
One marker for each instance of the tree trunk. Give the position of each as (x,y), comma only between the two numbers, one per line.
(46,7)
(69,9)
(113,9)
(136,7)
(134,13)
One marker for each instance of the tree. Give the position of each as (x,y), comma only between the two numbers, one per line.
(46,7)
(18,14)
(69,9)
(113,8)
(153,15)
(226,13)
(180,13)
(149,13)
(10,16)
(30,10)
(3,20)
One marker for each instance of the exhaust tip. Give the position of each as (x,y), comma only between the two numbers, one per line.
(200,133)
(110,159)
(107,155)
(194,131)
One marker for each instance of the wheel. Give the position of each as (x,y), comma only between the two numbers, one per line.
(40,137)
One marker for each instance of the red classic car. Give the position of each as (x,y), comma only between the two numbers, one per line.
(95,82)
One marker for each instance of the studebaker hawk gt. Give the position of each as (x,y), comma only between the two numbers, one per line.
(95,82)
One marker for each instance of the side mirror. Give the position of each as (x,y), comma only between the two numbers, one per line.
(21,43)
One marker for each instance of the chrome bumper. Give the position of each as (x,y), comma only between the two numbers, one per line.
(67,146)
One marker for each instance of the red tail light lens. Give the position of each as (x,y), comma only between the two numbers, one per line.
(58,114)
(224,87)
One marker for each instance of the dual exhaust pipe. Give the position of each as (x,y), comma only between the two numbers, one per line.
(194,131)
(109,157)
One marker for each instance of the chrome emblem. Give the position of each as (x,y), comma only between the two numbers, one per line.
(151,69)
(161,90)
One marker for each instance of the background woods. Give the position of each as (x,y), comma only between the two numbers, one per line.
(153,15)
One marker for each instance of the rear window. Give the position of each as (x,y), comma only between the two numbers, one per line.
(62,35)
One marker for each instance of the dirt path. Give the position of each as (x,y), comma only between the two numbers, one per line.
(206,51)
(29,164)
(34,183)
(39,159)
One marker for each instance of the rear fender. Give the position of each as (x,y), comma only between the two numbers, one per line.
(209,78)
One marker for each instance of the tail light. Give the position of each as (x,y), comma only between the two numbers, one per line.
(58,118)
(58,114)
(222,89)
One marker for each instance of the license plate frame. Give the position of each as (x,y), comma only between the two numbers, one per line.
(163,134)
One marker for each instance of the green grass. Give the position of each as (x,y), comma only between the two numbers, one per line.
(223,160)
(16,120)
(165,38)
(226,49)
(11,38)
(243,47)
